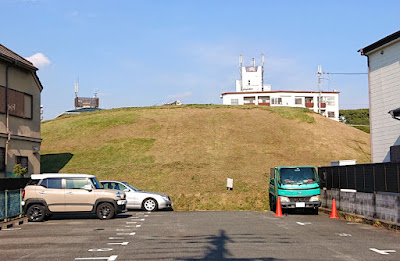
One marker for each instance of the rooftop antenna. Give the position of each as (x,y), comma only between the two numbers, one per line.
(96,91)
(77,88)
(240,70)
(253,62)
(262,72)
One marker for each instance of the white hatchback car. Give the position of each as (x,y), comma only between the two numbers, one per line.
(138,199)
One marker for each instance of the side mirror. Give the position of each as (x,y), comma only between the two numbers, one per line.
(88,187)
(126,190)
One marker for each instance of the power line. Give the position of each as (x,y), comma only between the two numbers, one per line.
(346,73)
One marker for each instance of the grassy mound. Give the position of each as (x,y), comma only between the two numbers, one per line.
(189,151)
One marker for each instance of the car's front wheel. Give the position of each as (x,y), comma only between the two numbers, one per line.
(150,204)
(36,213)
(105,211)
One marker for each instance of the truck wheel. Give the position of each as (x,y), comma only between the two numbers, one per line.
(105,211)
(35,213)
(272,204)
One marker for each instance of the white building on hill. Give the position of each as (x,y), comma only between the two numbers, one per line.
(251,90)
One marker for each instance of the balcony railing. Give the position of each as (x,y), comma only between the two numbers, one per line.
(309,105)
(264,103)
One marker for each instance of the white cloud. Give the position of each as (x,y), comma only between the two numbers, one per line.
(39,60)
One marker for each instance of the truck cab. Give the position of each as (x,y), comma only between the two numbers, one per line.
(296,186)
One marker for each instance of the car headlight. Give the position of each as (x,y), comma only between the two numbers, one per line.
(165,198)
(315,198)
(284,199)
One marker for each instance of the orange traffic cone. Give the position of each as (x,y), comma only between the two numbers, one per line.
(334,212)
(278,210)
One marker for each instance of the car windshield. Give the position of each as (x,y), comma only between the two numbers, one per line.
(131,187)
(96,183)
(297,175)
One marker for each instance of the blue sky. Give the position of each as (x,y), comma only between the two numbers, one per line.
(144,53)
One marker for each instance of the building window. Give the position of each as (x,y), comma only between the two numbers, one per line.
(331,114)
(234,101)
(19,103)
(23,161)
(249,100)
(298,101)
(263,99)
(276,101)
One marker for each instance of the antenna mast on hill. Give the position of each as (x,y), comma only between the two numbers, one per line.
(76,88)
(240,70)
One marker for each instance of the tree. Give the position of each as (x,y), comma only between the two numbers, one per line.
(19,171)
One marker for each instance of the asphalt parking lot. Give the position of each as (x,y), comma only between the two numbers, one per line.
(168,235)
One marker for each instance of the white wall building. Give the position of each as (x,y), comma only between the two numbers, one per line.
(384,97)
(251,90)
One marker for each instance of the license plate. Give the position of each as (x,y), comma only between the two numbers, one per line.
(300,204)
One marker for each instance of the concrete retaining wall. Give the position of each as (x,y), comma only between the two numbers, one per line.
(379,205)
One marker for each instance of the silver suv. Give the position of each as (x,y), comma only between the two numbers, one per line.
(48,194)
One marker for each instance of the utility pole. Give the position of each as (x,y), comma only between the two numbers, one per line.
(319,87)
(319,82)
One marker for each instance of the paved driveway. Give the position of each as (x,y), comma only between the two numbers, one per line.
(199,236)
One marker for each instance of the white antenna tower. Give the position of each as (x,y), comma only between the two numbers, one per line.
(96,91)
(253,62)
(77,88)
(262,72)
(240,70)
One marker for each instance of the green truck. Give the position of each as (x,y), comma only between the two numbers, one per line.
(297,187)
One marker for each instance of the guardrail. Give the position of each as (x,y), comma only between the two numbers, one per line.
(10,204)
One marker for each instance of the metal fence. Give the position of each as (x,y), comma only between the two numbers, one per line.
(10,204)
(383,177)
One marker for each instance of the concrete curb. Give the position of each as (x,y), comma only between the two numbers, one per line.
(368,220)
(13,223)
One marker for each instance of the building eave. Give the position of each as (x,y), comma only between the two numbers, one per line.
(381,43)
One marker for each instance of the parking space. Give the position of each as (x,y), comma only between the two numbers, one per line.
(168,235)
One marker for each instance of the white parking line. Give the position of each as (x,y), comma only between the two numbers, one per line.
(116,238)
(138,225)
(122,244)
(110,258)
(126,234)
(343,234)
(100,249)
(131,222)
(303,223)
(121,229)
(382,252)
(9,229)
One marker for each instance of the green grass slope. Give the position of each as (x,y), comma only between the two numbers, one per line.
(189,151)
